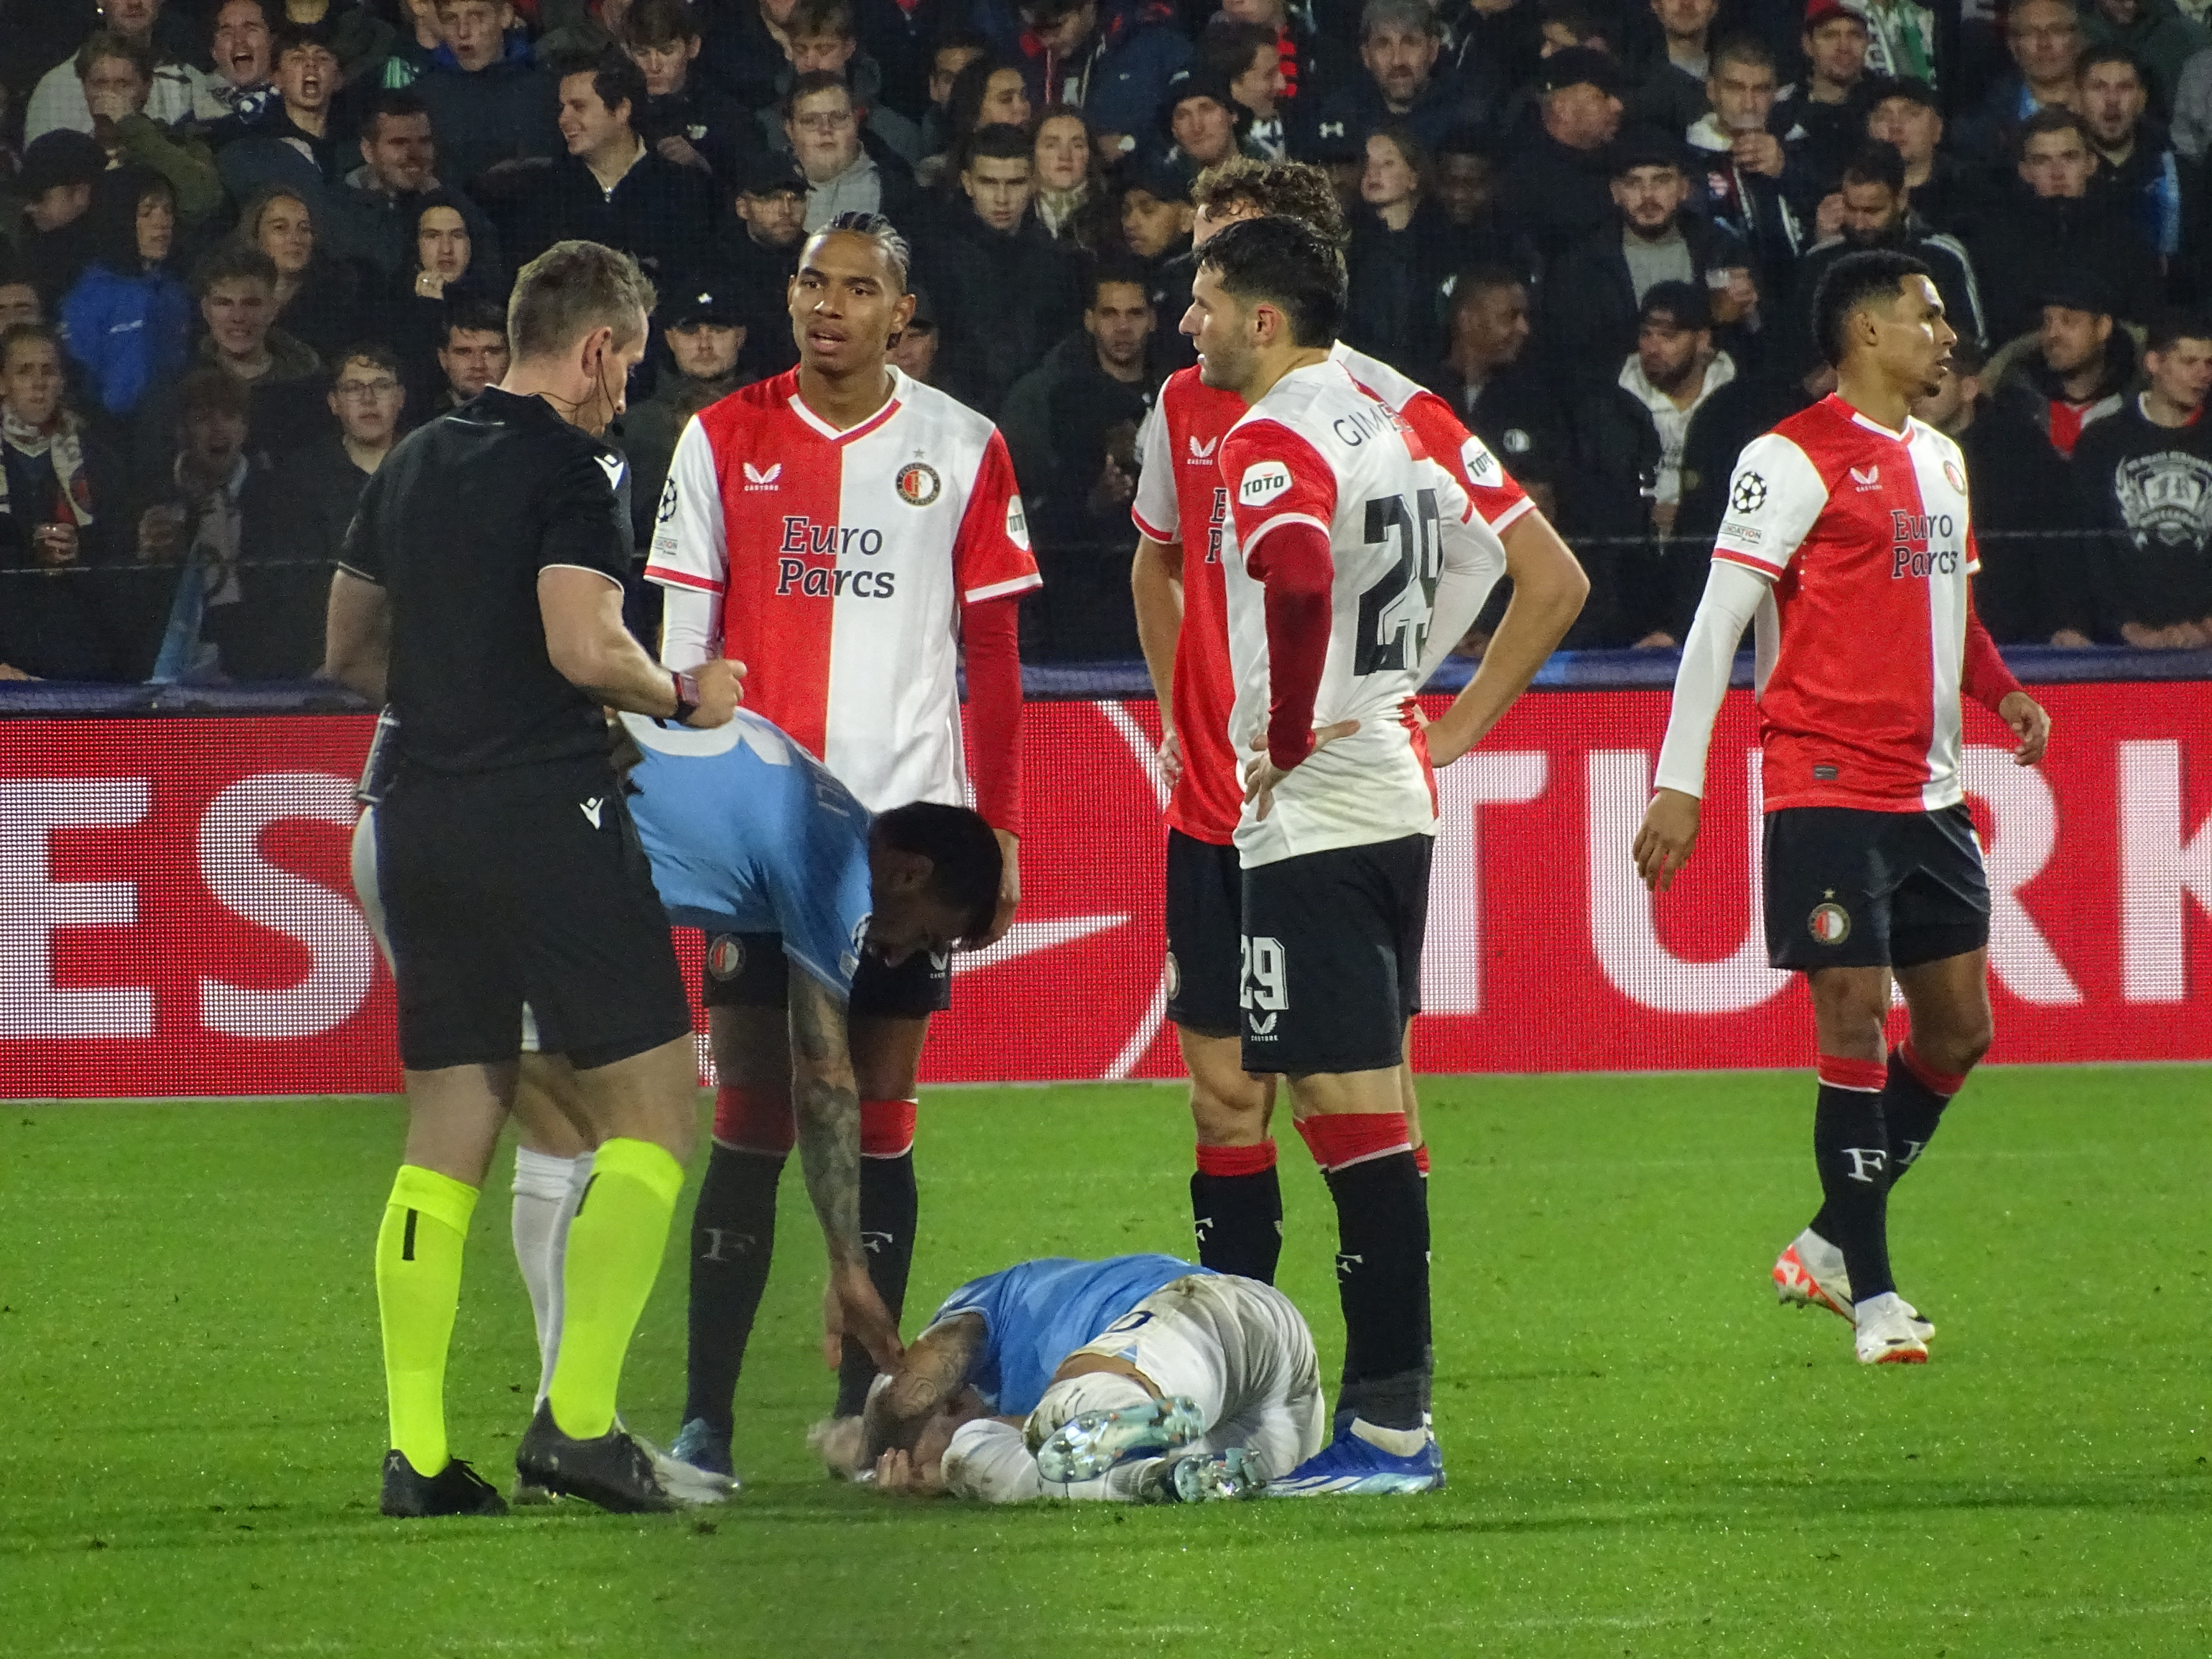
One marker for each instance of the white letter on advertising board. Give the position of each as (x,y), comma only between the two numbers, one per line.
(2156,868)
(2024,830)
(34,906)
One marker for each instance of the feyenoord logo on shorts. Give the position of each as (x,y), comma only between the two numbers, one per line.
(1831,923)
(918,485)
(1174,977)
(725,957)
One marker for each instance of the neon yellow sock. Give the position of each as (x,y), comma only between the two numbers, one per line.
(615,1247)
(418,1288)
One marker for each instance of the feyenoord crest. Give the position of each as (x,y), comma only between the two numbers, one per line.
(725,957)
(1952,476)
(918,485)
(1174,977)
(1831,923)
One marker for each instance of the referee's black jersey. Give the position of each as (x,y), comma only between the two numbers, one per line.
(455,527)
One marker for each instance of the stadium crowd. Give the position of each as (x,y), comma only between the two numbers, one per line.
(246,245)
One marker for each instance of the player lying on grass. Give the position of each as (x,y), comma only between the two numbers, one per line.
(745,831)
(1137,1379)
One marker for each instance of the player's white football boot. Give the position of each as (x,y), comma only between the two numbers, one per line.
(1886,1336)
(1810,1273)
(1087,1445)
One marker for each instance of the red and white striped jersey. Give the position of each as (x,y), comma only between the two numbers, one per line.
(1861,640)
(1318,450)
(842,560)
(1180,485)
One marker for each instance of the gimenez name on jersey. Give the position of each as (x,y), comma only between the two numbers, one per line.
(804,540)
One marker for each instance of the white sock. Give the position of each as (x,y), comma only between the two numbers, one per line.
(546,1192)
(1399,1443)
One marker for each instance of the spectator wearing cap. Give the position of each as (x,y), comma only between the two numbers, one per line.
(845,173)
(1203,125)
(1902,40)
(820,38)
(759,263)
(2034,588)
(127,317)
(2145,475)
(285,382)
(1399,259)
(176,92)
(1558,189)
(1009,292)
(1157,216)
(1112,59)
(118,78)
(1673,96)
(1907,116)
(2077,368)
(50,230)
(914,352)
(374,214)
(2052,229)
(1071,426)
(244,56)
(2135,163)
(705,337)
(2045,40)
(1878,214)
(1243,56)
(1311,61)
(1829,103)
(1072,200)
(1592,296)
(60,511)
(2157,34)
(1401,42)
(491,103)
(1488,377)
(1749,177)
(1629,439)
(612,187)
(684,118)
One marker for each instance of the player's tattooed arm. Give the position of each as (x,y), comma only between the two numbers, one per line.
(827,1104)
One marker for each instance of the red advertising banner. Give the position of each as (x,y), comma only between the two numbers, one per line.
(176,916)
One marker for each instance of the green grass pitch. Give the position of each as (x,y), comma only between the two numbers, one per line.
(1647,1457)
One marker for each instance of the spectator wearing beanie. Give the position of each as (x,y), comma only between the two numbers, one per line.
(705,337)
(2077,368)
(1203,125)
(1558,189)
(1907,116)
(759,262)
(127,317)
(50,227)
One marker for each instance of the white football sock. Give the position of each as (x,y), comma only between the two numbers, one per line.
(546,1192)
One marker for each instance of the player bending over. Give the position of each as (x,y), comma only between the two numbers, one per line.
(1186,544)
(1849,538)
(1138,1379)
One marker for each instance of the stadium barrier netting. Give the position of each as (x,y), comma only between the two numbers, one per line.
(176,916)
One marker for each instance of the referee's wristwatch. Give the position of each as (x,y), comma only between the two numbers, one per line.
(687,698)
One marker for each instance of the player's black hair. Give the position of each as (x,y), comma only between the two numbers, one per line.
(2167,330)
(1287,263)
(1112,268)
(1877,164)
(472,317)
(2109,53)
(615,78)
(1856,280)
(1000,141)
(963,852)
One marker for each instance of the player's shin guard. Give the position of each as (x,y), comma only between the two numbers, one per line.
(1236,1210)
(732,1240)
(890,1205)
(418,1288)
(1913,1097)
(616,1243)
(1382,1263)
(1851,1146)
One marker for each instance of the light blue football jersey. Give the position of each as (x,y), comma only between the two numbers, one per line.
(1037,1313)
(748,834)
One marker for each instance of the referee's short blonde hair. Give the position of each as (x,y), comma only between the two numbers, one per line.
(572,288)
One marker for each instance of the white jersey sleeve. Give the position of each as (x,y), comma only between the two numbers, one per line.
(1154,511)
(988,1460)
(689,547)
(1473,558)
(1733,594)
(1774,495)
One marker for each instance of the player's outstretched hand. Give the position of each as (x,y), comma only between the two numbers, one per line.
(721,689)
(1262,774)
(2029,724)
(851,1306)
(1170,757)
(898,1472)
(1664,843)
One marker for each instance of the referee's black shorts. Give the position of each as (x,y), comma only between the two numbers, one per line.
(1848,888)
(525,885)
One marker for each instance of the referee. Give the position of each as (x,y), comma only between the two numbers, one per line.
(480,594)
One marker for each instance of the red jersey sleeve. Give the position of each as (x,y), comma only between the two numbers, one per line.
(1284,496)
(991,556)
(1275,478)
(1498,501)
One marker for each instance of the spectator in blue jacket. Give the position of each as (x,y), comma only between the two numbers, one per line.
(1111,58)
(127,317)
